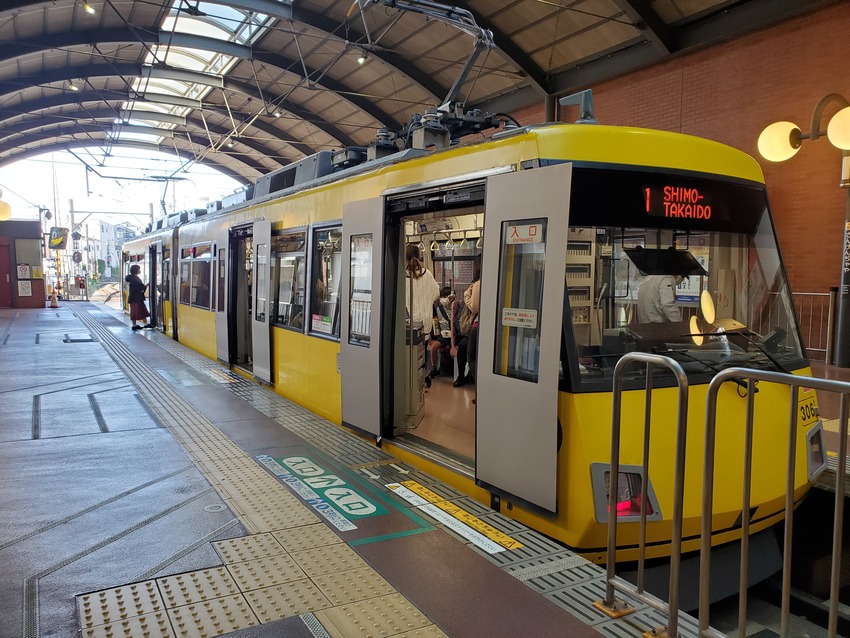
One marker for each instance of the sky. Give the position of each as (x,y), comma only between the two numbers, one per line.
(129,183)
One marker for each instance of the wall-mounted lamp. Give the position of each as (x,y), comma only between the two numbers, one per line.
(781,141)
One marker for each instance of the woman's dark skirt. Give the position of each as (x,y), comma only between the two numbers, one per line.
(139,311)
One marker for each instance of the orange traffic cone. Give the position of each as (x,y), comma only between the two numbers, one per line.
(53,303)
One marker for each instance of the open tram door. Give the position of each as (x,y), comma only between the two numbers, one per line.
(155,284)
(241,297)
(520,326)
(360,327)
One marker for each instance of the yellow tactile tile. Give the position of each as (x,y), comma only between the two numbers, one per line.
(306,537)
(275,520)
(385,616)
(352,585)
(328,559)
(212,617)
(194,587)
(289,599)
(431,631)
(266,572)
(118,603)
(239,550)
(153,625)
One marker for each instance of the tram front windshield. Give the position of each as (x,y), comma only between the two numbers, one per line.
(730,304)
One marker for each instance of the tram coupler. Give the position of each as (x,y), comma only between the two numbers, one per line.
(617,609)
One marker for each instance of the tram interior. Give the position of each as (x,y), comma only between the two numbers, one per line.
(434,411)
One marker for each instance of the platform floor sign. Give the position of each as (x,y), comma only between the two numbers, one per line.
(327,493)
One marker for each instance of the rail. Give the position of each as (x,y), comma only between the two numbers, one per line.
(794,383)
(610,604)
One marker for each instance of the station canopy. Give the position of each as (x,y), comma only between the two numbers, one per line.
(249,86)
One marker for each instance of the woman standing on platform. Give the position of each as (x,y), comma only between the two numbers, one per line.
(136,297)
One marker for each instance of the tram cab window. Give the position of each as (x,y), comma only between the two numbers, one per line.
(288,273)
(734,309)
(326,273)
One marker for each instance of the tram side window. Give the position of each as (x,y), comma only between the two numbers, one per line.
(326,261)
(289,267)
(185,275)
(201,271)
(165,275)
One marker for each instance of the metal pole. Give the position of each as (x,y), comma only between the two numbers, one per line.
(842,341)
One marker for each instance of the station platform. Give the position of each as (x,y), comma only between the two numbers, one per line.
(148,491)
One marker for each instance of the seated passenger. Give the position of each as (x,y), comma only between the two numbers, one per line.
(442,332)
(460,344)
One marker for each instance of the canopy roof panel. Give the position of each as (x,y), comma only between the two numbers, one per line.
(251,85)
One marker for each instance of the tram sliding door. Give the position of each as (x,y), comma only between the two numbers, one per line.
(519,339)
(220,247)
(261,326)
(362,260)
(155,284)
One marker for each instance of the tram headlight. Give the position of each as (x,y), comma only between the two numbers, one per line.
(815,451)
(629,489)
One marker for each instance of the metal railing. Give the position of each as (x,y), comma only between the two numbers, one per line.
(610,605)
(794,383)
(816,312)
(614,607)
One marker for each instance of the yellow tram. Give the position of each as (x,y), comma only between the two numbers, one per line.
(299,282)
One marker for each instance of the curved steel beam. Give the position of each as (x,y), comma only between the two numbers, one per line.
(67,145)
(109,115)
(88,129)
(104,96)
(121,35)
(132,69)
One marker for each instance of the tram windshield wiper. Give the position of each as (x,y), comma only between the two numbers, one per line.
(687,355)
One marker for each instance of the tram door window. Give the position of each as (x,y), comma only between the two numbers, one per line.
(288,278)
(326,276)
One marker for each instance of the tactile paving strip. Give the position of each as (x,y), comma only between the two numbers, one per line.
(431,631)
(212,617)
(266,572)
(154,625)
(118,604)
(328,559)
(197,586)
(289,599)
(352,585)
(244,548)
(383,616)
(299,538)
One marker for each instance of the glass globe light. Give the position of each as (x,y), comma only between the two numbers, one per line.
(838,130)
(780,141)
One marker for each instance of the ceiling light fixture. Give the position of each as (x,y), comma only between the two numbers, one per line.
(73,85)
(88,8)
(362,57)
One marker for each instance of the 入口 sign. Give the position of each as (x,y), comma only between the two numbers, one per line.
(528,234)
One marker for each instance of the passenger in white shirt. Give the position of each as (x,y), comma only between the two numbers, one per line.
(426,290)
(657,299)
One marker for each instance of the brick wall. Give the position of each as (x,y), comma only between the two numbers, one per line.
(729,93)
